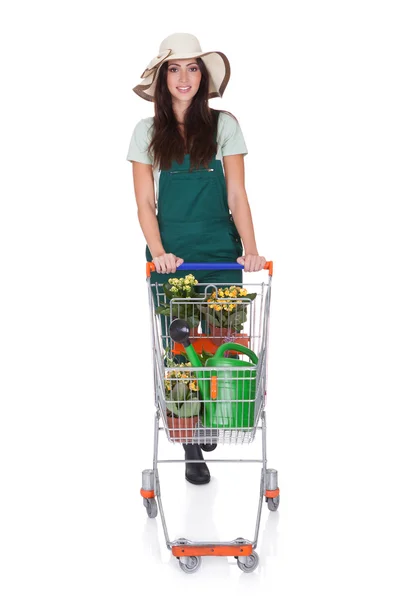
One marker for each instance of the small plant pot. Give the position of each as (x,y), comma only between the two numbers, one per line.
(222,335)
(181,428)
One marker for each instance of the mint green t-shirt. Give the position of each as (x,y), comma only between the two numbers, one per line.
(230,141)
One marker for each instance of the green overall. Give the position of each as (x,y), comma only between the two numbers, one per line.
(194,220)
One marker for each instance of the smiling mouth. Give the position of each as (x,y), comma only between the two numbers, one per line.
(184,89)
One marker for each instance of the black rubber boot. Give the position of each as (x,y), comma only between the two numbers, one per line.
(196,473)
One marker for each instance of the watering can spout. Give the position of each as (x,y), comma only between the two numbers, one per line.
(179,332)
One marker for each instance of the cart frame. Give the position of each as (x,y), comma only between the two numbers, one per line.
(189,552)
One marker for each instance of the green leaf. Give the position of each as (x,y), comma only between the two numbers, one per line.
(192,321)
(167,290)
(176,311)
(213,317)
(179,391)
(163,310)
(251,296)
(236,319)
(216,319)
(170,361)
(172,406)
(189,409)
(202,359)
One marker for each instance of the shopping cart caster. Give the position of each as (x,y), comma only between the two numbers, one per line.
(272,495)
(247,564)
(147,493)
(189,564)
(151,507)
(208,447)
(273,503)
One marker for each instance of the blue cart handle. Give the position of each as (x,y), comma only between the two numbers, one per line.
(209,267)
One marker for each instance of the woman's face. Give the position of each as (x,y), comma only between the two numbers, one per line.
(183,79)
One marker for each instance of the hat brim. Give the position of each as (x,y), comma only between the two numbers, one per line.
(217,65)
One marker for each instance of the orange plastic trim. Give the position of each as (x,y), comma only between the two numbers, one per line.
(188,550)
(272,493)
(200,343)
(147,493)
(149,268)
(214,386)
(269,266)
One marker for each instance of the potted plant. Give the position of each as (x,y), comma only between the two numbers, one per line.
(182,397)
(226,312)
(182,287)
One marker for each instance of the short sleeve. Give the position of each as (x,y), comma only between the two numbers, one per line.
(231,136)
(138,147)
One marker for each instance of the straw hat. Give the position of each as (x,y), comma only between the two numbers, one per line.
(181,46)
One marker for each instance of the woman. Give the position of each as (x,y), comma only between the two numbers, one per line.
(194,158)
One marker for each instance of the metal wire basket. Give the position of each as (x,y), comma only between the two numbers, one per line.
(230,411)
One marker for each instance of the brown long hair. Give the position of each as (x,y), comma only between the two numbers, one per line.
(200,122)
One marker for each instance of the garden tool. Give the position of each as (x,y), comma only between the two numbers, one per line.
(228,394)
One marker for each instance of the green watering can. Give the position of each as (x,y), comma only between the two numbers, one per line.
(228,395)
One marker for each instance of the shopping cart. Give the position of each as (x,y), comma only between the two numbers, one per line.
(219,401)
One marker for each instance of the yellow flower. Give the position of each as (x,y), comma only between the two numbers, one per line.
(232,306)
(217,308)
(227,293)
(193,386)
(220,292)
(243,292)
(233,294)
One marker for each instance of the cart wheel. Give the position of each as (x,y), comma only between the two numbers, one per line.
(191,564)
(208,447)
(151,507)
(247,564)
(273,503)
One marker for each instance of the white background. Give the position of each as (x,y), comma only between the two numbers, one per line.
(315,86)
